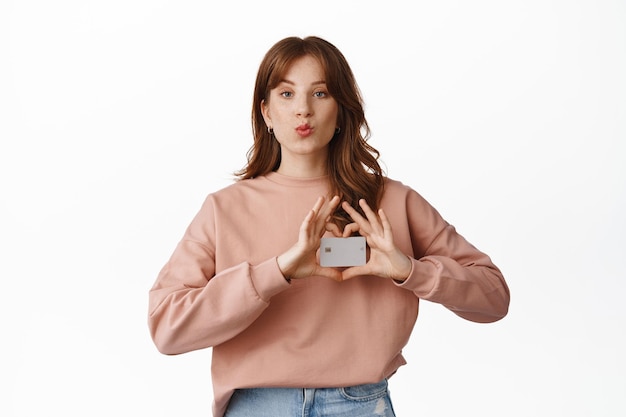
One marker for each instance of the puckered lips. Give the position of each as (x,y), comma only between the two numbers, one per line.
(304,130)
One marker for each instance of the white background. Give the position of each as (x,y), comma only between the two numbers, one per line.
(118,117)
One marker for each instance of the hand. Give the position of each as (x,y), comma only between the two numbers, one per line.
(385,259)
(300,261)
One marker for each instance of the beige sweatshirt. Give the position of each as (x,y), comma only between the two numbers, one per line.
(222,288)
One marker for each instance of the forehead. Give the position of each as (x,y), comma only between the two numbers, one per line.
(303,68)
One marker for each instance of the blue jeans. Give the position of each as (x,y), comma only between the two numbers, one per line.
(368,400)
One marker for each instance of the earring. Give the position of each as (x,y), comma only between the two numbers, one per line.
(337,131)
(270,130)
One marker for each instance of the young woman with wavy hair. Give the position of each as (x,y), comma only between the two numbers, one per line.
(246,277)
(352,164)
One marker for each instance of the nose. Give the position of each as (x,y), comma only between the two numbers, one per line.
(303,106)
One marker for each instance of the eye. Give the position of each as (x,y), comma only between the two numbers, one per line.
(286,94)
(320,94)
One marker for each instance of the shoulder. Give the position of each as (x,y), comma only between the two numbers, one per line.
(412,213)
(240,188)
(233,195)
(397,189)
(399,193)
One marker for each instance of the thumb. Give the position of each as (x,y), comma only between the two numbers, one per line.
(354,271)
(331,273)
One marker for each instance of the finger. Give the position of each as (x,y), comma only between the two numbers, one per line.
(385,221)
(318,209)
(325,214)
(323,208)
(334,229)
(313,213)
(329,208)
(309,222)
(318,204)
(350,229)
(369,213)
(355,215)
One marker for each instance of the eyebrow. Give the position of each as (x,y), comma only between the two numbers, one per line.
(320,82)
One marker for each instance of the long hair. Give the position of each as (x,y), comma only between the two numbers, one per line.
(352,164)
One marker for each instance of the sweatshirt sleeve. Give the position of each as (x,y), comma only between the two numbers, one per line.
(448,270)
(192,307)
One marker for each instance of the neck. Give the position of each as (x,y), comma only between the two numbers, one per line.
(303,167)
(301,171)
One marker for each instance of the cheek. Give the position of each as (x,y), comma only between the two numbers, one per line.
(277,111)
(332,116)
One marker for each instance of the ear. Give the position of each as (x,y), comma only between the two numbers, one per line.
(265,111)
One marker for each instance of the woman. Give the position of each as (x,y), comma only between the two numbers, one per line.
(290,336)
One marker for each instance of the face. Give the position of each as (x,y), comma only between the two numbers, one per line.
(302,113)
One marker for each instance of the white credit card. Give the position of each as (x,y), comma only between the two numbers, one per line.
(342,251)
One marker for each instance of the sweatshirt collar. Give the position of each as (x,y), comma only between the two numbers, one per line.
(296,181)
